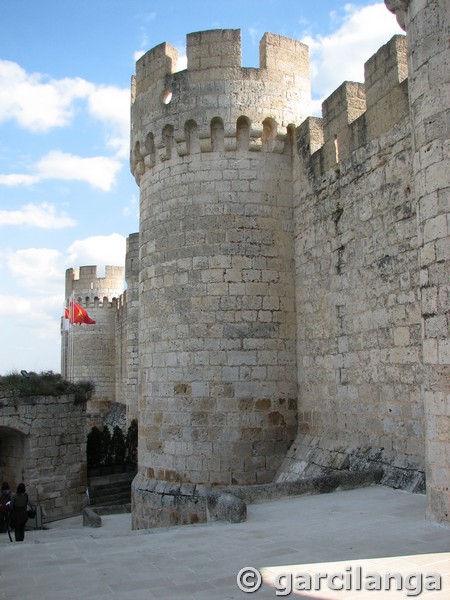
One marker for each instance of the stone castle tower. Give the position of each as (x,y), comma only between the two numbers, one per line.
(212,153)
(89,352)
(287,304)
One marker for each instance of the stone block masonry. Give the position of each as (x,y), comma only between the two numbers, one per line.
(217,363)
(44,440)
(287,307)
(427,25)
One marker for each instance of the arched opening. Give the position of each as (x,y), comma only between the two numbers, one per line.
(290,139)
(217,134)
(12,459)
(243,133)
(191,133)
(168,140)
(150,147)
(268,134)
(136,155)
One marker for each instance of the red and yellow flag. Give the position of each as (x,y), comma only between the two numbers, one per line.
(77,314)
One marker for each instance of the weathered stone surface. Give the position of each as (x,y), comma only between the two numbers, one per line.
(225,506)
(91,518)
(44,445)
(293,271)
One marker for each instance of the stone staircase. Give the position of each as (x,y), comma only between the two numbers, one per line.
(110,490)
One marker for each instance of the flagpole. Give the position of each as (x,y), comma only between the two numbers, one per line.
(71,340)
(63,343)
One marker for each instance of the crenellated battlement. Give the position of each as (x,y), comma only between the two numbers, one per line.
(84,282)
(218,52)
(357,113)
(97,302)
(175,128)
(216,104)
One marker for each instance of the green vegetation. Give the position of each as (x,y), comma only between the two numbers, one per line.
(44,384)
(94,448)
(132,442)
(118,446)
(105,450)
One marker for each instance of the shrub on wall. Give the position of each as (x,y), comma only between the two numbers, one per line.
(132,442)
(106,446)
(46,383)
(94,448)
(106,451)
(118,447)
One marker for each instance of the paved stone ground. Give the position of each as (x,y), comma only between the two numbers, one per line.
(376,528)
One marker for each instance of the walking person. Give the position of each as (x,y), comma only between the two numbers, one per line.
(5,503)
(18,515)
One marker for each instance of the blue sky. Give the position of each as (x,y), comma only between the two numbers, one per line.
(67,197)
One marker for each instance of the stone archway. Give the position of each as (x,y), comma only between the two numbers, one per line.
(43,444)
(13,449)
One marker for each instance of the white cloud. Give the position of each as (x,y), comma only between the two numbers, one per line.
(137,55)
(12,306)
(132,209)
(98,250)
(36,103)
(15,179)
(39,270)
(98,171)
(340,56)
(182,58)
(36,215)
(32,326)
(112,106)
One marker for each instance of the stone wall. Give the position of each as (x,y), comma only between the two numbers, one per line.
(358,305)
(126,334)
(43,444)
(290,276)
(427,25)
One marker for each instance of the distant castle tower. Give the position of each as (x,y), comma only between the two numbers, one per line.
(212,152)
(89,351)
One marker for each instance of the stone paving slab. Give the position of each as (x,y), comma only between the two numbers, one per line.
(376,529)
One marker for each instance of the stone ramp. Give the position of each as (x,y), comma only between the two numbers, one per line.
(376,527)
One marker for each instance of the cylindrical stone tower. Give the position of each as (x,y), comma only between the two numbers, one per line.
(88,352)
(211,149)
(427,26)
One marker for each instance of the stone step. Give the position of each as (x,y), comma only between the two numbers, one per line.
(110,490)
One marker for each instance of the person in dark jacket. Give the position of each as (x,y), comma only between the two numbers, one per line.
(18,515)
(5,502)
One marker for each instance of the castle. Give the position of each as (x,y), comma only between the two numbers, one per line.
(286,311)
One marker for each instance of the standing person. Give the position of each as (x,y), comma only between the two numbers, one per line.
(18,516)
(5,501)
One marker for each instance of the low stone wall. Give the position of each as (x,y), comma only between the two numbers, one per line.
(43,444)
(161,504)
(311,456)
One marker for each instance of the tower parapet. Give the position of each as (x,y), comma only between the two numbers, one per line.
(212,153)
(215,103)
(357,113)
(84,283)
